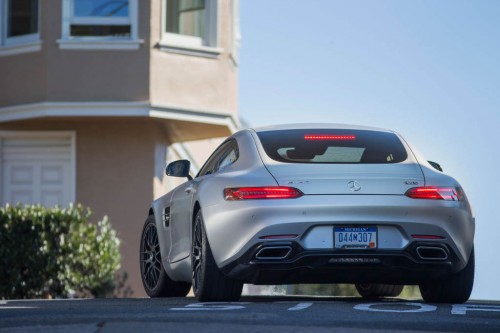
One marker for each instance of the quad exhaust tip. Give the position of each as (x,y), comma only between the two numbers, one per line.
(431,253)
(274,252)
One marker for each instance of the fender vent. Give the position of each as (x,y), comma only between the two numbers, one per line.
(166,217)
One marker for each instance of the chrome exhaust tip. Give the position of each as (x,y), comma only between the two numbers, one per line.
(274,252)
(431,253)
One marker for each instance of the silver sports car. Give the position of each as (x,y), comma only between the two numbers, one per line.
(311,203)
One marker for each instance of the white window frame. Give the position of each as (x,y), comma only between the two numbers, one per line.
(192,45)
(100,42)
(235,38)
(18,44)
(45,134)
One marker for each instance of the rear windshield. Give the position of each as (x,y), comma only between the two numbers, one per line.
(332,146)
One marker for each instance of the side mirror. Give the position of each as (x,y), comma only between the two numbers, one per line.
(435,166)
(179,169)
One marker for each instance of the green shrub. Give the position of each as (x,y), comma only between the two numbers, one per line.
(56,251)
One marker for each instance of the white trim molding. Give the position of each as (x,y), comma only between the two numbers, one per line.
(199,51)
(73,109)
(235,38)
(193,115)
(89,44)
(20,48)
(118,109)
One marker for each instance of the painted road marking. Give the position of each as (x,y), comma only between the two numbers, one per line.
(212,306)
(300,306)
(420,307)
(461,309)
(457,309)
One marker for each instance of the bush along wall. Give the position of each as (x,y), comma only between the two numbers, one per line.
(56,252)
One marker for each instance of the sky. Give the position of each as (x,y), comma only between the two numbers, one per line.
(429,70)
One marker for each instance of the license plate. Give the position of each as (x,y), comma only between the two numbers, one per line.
(355,237)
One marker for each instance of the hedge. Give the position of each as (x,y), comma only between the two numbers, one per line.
(54,252)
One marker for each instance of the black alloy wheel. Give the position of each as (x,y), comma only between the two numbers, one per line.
(150,257)
(154,278)
(209,283)
(197,255)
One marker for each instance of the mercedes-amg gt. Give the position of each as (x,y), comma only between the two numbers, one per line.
(311,203)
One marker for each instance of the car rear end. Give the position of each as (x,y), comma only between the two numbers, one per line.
(348,205)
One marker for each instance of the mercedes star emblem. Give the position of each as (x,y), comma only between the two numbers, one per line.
(354,186)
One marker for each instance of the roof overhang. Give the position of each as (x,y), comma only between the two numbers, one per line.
(182,124)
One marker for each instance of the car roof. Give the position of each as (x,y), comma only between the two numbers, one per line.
(317,126)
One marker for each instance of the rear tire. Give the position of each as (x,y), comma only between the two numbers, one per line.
(209,283)
(455,289)
(154,278)
(373,290)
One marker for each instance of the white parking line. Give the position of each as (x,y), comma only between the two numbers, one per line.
(461,309)
(386,307)
(213,306)
(300,306)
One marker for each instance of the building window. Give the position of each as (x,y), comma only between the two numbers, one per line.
(100,18)
(186,17)
(19,26)
(22,18)
(190,24)
(100,24)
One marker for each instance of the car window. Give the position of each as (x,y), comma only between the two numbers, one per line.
(333,146)
(228,157)
(220,158)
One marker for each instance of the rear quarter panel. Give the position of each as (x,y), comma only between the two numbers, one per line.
(248,170)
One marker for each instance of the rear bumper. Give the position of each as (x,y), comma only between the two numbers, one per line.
(235,231)
(342,266)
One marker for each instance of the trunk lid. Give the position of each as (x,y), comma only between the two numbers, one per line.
(389,179)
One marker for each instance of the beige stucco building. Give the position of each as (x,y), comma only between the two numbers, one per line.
(96,96)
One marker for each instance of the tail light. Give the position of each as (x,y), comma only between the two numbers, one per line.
(436,193)
(329,137)
(268,192)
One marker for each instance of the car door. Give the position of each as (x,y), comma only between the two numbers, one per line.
(182,202)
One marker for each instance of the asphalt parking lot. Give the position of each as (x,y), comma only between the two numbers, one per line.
(250,314)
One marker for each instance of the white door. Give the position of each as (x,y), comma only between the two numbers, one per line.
(37,170)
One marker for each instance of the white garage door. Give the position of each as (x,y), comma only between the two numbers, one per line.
(37,168)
